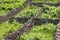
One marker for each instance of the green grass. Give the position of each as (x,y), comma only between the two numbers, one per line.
(8,5)
(53,1)
(42,32)
(7,28)
(50,12)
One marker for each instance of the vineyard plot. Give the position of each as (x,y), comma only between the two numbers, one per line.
(28,24)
